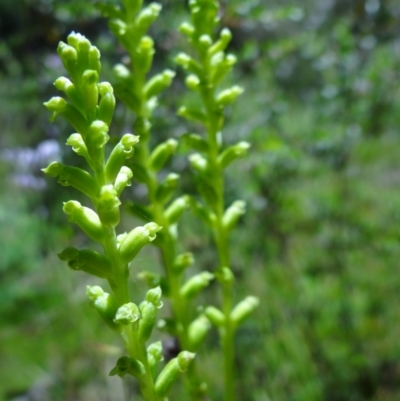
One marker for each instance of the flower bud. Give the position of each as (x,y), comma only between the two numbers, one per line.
(166,189)
(65,85)
(122,151)
(106,106)
(154,296)
(85,218)
(74,176)
(96,139)
(232,214)
(198,163)
(221,65)
(126,365)
(122,73)
(154,355)
(104,303)
(186,29)
(69,58)
(225,276)
(232,153)
(146,52)
(118,28)
(192,114)
(170,372)
(123,179)
(196,142)
(195,284)
(162,153)
(136,240)
(215,316)
(192,82)
(78,145)
(108,205)
(94,59)
(243,309)
(205,42)
(198,330)
(127,314)
(86,260)
(189,64)
(148,320)
(56,105)
(222,43)
(90,90)
(146,17)
(183,261)
(158,83)
(176,209)
(228,96)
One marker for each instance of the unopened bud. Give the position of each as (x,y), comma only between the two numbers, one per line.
(186,29)
(228,96)
(233,153)
(158,83)
(198,330)
(73,176)
(97,135)
(135,240)
(123,179)
(232,214)
(154,355)
(85,218)
(106,106)
(195,284)
(176,209)
(105,304)
(170,372)
(90,90)
(148,320)
(192,82)
(146,51)
(108,205)
(198,162)
(154,296)
(146,17)
(123,150)
(162,153)
(86,260)
(222,43)
(243,309)
(215,316)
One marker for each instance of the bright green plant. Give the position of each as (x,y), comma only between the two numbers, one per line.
(89,109)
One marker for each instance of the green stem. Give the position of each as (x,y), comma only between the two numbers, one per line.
(220,236)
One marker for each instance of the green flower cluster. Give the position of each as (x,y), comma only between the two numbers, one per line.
(89,107)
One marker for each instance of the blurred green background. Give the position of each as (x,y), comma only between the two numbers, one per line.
(320,241)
